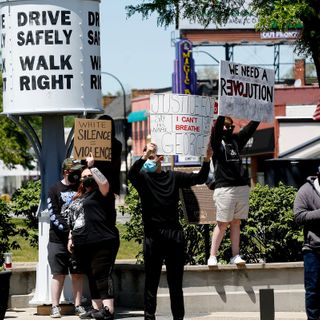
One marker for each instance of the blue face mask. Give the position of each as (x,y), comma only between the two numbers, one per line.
(150,166)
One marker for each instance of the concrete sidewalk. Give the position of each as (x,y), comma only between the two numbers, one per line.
(30,314)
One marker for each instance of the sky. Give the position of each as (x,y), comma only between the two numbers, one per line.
(140,54)
(136,51)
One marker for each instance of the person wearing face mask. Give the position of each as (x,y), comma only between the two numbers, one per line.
(94,239)
(306,211)
(163,234)
(59,197)
(232,185)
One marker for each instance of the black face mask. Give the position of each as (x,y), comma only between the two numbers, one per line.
(74,176)
(228,132)
(89,182)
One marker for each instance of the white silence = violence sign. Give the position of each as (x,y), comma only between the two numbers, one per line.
(92,136)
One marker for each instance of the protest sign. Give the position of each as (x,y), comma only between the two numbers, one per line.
(246,92)
(196,201)
(180,124)
(92,136)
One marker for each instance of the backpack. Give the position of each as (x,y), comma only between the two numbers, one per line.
(210,183)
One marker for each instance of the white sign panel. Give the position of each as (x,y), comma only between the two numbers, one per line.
(290,34)
(180,124)
(51,56)
(246,92)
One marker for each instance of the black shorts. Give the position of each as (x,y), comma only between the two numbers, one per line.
(61,261)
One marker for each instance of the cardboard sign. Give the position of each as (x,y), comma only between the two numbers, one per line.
(197,202)
(92,136)
(246,92)
(180,124)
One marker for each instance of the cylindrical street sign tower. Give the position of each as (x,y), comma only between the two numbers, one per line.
(50,56)
(51,66)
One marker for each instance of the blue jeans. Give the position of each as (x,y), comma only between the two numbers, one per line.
(312,284)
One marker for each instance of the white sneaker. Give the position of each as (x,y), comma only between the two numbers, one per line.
(212,261)
(55,312)
(237,260)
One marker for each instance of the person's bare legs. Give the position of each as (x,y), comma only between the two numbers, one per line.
(97,304)
(217,236)
(110,304)
(57,282)
(77,285)
(235,236)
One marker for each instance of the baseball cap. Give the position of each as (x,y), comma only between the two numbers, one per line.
(71,164)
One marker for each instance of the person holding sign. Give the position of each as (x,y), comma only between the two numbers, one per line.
(232,185)
(94,239)
(111,169)
(163,234)
(60,261)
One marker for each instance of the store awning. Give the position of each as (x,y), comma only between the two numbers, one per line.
(136,116)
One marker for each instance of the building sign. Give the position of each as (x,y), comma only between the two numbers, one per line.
(247,22)
(184,77)
(50,56)
(246,92)
(92,136)
(181,124)
(290,34)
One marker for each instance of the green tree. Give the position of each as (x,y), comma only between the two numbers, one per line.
(25,203)
(7,231)
(280,14)
(14,145)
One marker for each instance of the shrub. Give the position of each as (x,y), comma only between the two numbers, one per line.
(269,234)
(25,203)
(134,228)
(7,230)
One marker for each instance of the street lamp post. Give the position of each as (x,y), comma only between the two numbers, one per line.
(124,120)
(210,55)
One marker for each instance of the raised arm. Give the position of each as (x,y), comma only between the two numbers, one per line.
(97,175)
(246,133)
(217,133)
(134,174)
(190,179)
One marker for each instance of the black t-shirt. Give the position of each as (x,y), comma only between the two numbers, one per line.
(228,168)
(92,218)
(59,197)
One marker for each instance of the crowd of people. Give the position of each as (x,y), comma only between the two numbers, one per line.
(84,239)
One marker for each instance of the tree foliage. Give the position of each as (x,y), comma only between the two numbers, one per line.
(7,231)
(25,203)
(280,14)
(269,234)
(14,145)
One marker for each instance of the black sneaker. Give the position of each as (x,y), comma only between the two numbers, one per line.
(88,314)
(103,314)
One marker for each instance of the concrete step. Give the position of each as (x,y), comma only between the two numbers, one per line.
(20,300)
(31,314)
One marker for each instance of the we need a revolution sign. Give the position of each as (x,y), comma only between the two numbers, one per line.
(246,92)
(180,123)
